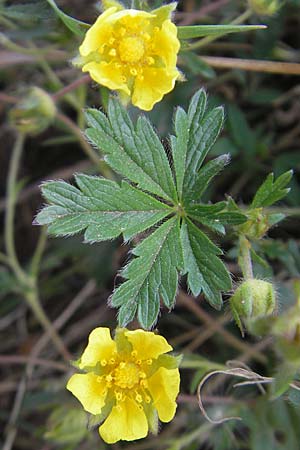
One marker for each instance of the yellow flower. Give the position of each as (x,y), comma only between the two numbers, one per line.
(134,52)
(129,381)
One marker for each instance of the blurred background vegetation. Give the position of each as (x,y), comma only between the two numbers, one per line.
(53,292)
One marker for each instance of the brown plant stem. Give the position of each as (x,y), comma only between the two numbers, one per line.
(72,86)
(253,65)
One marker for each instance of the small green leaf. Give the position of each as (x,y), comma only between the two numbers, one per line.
(198,211)
(214,214)
(206,272)
(150,276)
(196,31)
(271,191)
(207,173)
(76,26)
(27,12)
(101,207)
(284,376)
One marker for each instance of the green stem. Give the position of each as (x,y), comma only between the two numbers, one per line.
(208,39)
(28,282)
(3,258)
(35,304)
(244,258)
(10,208)
(36,259)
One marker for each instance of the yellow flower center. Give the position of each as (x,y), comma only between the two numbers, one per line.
(126,375)
(131,49)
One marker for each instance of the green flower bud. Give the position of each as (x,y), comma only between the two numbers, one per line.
(265,7)
(252,299)
(67,426)
(257,224)
(34,113)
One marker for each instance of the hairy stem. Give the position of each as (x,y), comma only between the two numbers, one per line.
(244,258)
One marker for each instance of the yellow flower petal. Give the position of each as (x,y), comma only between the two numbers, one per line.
(147,344)
(164,388)
(99,349)
(97,33)
(127,14)
(89,390)
(126,422)
(151,88)
(166,45)
(108,75)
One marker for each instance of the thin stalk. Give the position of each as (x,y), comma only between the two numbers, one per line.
(8,98)
(10,208)
(244,258)
(252,65)
(38,253)
(28,281)
(3,258)
(35,304)
(71,87)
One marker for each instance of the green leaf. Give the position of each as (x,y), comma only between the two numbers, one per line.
(100,207)
(204,129)
(150,276)
(199,211)
(179,146)
(133,151)
(285,375)
(27,12)
(76,26)
(271,191)
(205,271)
(196,132)
(196,31)
(104,209)
(207,173)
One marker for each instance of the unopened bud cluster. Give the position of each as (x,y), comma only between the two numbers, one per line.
(34,113)
(265,7)
(253,299)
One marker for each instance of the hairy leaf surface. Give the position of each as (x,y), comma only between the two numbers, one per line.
(101,207)
(150,276)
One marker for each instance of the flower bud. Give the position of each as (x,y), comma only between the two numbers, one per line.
(66,426)
(34,113)
(252,299)
(265,7)
(257,224)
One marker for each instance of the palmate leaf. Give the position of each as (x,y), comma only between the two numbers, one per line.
(164,194)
